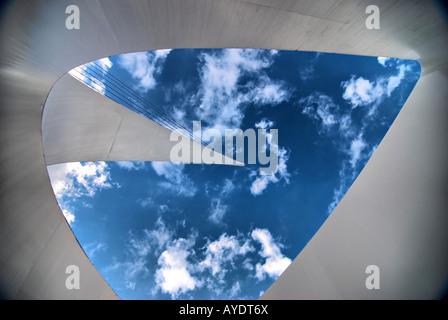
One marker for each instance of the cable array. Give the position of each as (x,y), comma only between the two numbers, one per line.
(95,76)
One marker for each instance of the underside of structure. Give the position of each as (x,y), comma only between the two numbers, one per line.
(394,215)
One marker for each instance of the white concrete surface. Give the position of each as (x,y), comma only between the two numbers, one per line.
(79,124)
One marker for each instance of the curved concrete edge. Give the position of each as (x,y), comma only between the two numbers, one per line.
(36,242)
(79,124)
(36,49)
(394,216)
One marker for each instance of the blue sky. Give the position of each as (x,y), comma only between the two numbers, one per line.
(159,230)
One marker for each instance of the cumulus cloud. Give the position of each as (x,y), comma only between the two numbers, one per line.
(307,73)
(182,267)
(267,92)
(237,252)
(356,148)
(68,215)
(74,180)
(221,95)
(217,211)
(345,173)
(146,202)
(333,120)
(174,270)
(176,180)
(92,248)
(222,256)
(383,60)
(173,275)
(130,285)
(261,182)
(153,240)
(139,252)
(366,93)
(275,262)
(394,81)
(264,123)
(144,67)
(235,290)
(224,251)
(105,63)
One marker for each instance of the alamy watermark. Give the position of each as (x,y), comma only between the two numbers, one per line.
(373,280)
(73,280)
(188,151)
(373,20)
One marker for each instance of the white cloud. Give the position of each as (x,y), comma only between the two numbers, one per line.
(267,92)
(345,174)
(357,151)
(152,241)
(140,247)
(174,271)
(134,268)
(129,269)
(356,148)
(140,250)
(68,215)
(321,108)
(92,248)
(105,63)
(227,187)
(363,92)
(220,255)
(130,285)
(74,180)
(275,262)
(345,126)
(394,81)
(337,196)
(235,290)
(222,98)
(264,124)
(161,235)
(162,208)
(347,132)
(173,274)
(176,180)
(366,93)
(262,181)
(146,202)
(260,184)
(131,165)
(182,267)
(144,66)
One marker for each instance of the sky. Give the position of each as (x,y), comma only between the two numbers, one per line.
(161,230)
